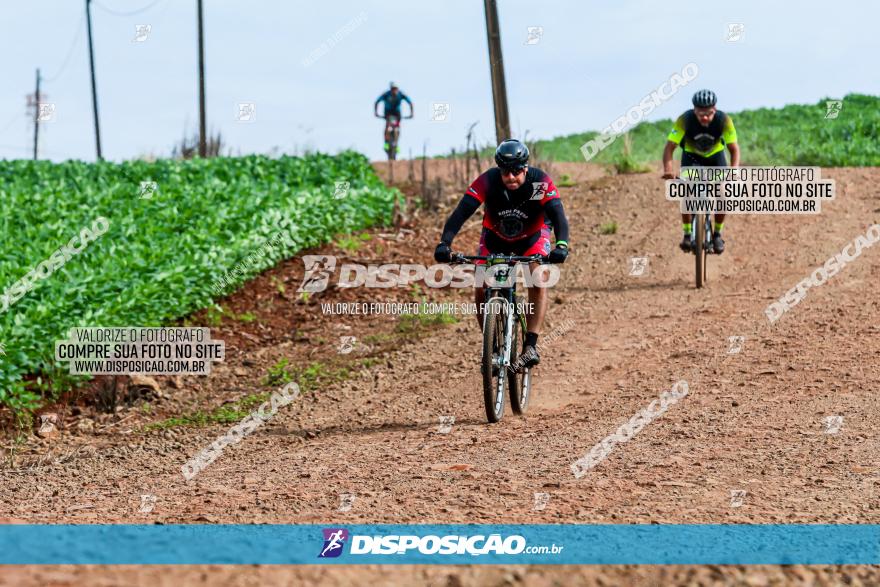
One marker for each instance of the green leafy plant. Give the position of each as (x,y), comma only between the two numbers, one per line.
(278,374)
(161,257)
(349,243)
(214,315)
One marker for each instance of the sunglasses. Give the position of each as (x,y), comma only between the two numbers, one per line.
(517,171)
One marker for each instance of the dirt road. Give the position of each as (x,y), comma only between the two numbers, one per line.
(754,421)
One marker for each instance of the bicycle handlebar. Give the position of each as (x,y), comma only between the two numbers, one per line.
(509,259)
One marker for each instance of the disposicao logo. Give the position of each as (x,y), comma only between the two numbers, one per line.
(334,540)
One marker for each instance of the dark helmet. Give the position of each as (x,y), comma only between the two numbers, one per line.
(512,154)
(705,99)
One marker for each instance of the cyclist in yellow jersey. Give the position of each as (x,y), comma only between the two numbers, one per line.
(702,134)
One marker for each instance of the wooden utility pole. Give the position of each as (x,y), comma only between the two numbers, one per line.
(37,114)
(94,86)
(496,67)
(203,144)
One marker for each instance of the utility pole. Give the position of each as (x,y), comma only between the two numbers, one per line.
(37,114)
(496,67)
(94,87)
(203,145)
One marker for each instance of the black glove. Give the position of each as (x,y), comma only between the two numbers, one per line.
(443,254)
(558,254)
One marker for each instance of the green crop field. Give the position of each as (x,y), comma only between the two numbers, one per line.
(792,135)
(152,257)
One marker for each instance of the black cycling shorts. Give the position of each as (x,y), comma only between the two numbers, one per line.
(693,160)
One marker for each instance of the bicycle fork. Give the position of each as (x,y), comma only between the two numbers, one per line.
(510,319)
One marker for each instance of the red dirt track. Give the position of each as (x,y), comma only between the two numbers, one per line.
(752,421)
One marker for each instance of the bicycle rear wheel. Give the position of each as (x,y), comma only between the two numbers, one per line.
(520,380)
(392,146)
(494,374)
(706,248)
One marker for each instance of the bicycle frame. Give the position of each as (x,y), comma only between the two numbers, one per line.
(506,292)
(499,336)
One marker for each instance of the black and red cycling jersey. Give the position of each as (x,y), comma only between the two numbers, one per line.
(511,216)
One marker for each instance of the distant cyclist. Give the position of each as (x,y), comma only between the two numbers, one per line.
(702,134)
(518,200)
(391,101)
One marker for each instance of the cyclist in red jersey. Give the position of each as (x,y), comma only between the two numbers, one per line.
(518,201)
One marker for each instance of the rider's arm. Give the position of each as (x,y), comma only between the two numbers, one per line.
(668,150)
(556,215)
(465,209)
(734,154)
(376,104)
(676,135)
(729,136)
(408,101)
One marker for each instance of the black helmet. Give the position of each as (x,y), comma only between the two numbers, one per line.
(512,154)
(705,99)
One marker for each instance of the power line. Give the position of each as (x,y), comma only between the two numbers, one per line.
(10,123)
(76,36)
(132,13)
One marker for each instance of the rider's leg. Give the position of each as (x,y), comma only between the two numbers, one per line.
(387,131)
(717,241)
(534,317)
(538,301)
(687,227)
(686,223)
(479,300)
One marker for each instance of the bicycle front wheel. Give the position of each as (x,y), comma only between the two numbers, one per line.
(494,373)
(700,249)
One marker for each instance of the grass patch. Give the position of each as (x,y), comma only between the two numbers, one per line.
(279,285)
(278,374)
(412,322)
(225,414)
(351,243)
(308,378)
(625,163)
(609,228)
(376,338)
(796,134)
(565,181)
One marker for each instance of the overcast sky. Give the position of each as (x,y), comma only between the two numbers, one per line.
(594,60)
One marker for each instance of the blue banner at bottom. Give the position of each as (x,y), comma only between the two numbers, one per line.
(717,544)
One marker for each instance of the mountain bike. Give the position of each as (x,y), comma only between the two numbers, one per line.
(504,330)
(702,246)
(394,135)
